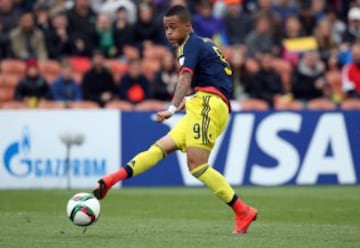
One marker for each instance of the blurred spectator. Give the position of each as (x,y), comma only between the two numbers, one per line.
(334,82)
(237,23)
(292,32)
(111,6)
(265,8)
(219,7)
(8,21)
(166,4)
(306,17)
(284,9)
(8,16)
(96,5)
(205,24)
(64,88)
(124,23)
(261,39)
(55,6)
(24,5)
(293,27)
(42,17)
(32,87)
(27,41)
(240,77)
(58,39)
(180,2)
(250,6)
(352,33)
(4,43)
(350,36)
(325,40)
(98,83)
(307,78)
(338,27)
(134,86)
(354,3)
(333,63)
(146,29)
(256,6)
(266,84)
(165,79)
(318,9)
(124,31)
(105,36)
(351,73)
(82,22)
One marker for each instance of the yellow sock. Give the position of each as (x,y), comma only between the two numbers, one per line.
(147,159)
(214,181)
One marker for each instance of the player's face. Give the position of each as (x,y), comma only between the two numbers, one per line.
(176,31)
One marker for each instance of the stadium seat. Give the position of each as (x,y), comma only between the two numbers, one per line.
(350,104)
(6,93)
(292,105)
(9,80)
(49,69)
(131,52)
(253,104)
(80,64)
(45,104)
(13,67)
(14,105)
(321,104)
(83,105)
(117,68)
(150,67)
(120,105)
(154,52)
(151,105)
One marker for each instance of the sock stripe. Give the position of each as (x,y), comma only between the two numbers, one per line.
(201,171)
(129,171)
(233,200)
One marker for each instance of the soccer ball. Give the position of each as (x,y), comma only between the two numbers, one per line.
(83,209)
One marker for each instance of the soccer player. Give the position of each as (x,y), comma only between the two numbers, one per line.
(205,70)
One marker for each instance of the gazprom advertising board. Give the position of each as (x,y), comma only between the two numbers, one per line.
(257,148)
(33,156)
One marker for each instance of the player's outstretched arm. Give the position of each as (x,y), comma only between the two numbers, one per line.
(182,88)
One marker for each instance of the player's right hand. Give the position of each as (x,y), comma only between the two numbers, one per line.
(163,115)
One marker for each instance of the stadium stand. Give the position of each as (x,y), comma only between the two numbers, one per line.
(293,28)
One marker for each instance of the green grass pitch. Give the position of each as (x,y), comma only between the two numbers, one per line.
(327,216)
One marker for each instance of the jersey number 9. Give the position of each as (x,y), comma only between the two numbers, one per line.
(227,68)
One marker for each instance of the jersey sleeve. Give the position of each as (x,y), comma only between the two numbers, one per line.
(189,55)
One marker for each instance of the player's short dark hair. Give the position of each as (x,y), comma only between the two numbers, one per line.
(180,11)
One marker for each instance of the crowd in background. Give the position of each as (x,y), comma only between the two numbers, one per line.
(284,54)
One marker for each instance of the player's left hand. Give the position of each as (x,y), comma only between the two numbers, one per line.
(163,115)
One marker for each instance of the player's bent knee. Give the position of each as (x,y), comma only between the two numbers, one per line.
(196,157)
(194,163)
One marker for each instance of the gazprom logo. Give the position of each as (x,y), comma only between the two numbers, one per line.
(19,162)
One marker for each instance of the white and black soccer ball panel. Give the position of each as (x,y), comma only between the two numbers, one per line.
(83,209)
